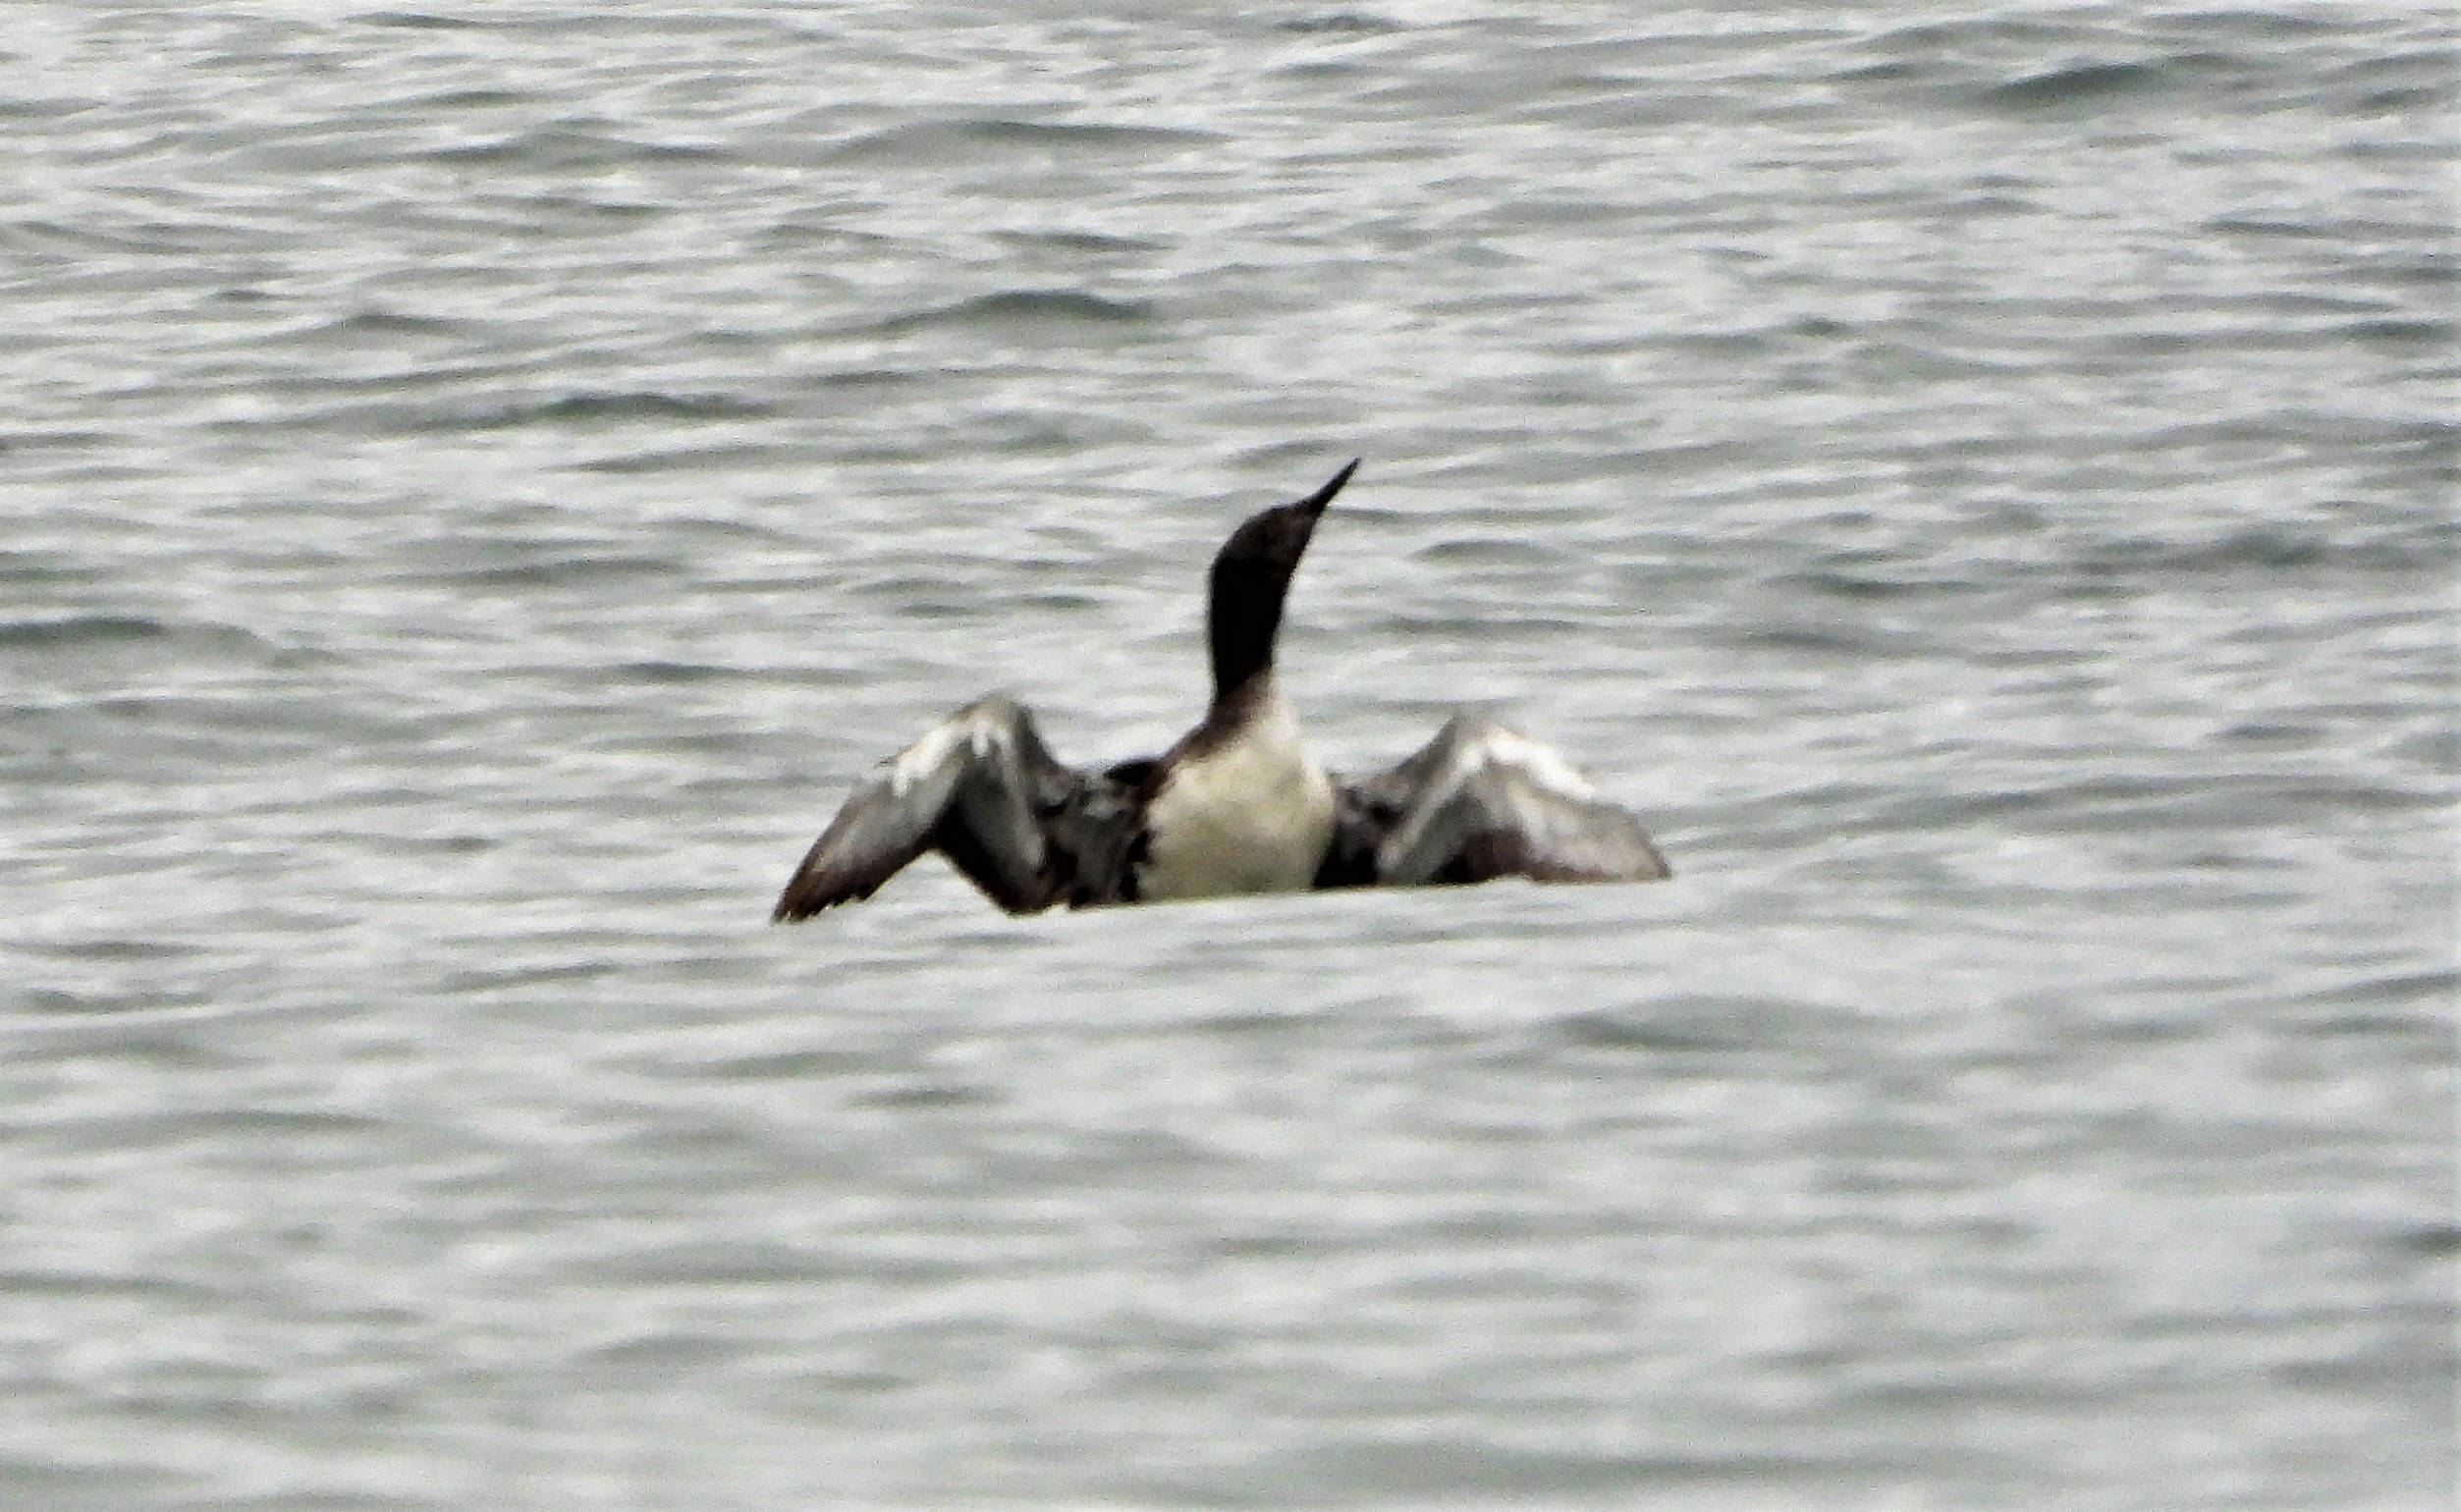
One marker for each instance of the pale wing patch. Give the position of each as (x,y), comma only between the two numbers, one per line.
(918,762)
(1539,763)
(980,729)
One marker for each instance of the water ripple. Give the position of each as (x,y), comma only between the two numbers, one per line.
(482,487)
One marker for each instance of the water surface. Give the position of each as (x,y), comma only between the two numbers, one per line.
(481,481)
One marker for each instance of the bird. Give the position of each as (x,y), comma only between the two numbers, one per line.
(1236,806)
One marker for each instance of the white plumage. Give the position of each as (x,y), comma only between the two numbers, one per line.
(1251,815)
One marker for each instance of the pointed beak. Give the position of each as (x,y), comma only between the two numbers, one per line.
(1314,503)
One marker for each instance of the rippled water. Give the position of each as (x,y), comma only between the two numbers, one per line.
(480,483)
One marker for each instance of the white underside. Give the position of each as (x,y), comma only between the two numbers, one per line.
(1251,815)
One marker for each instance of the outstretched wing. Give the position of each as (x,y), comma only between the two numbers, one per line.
(978,787)
(1481,801)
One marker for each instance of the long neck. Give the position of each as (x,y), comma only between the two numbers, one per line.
(1243,613)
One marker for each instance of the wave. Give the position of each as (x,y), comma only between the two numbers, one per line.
(578,409)
(939,141)
(569,148)
(101,632)
(1053,310)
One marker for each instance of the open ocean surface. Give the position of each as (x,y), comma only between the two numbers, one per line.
(477,483)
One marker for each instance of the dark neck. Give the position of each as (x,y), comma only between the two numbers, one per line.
(1243,613)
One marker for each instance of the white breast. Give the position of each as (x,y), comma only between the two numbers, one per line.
(1252,814)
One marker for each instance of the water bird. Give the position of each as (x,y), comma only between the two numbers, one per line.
(1236,806)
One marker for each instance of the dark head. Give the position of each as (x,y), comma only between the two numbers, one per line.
(1251,575)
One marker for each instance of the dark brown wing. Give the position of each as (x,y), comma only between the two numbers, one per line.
(1481,801)
(979,787)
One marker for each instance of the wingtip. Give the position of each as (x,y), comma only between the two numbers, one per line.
(799,905)
(788,909)
(811,891)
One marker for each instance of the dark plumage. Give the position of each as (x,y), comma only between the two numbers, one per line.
(1235,805)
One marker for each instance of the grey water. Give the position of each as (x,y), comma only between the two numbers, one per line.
(479,481)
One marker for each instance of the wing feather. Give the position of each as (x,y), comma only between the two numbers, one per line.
(973,787)
(1481,801)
